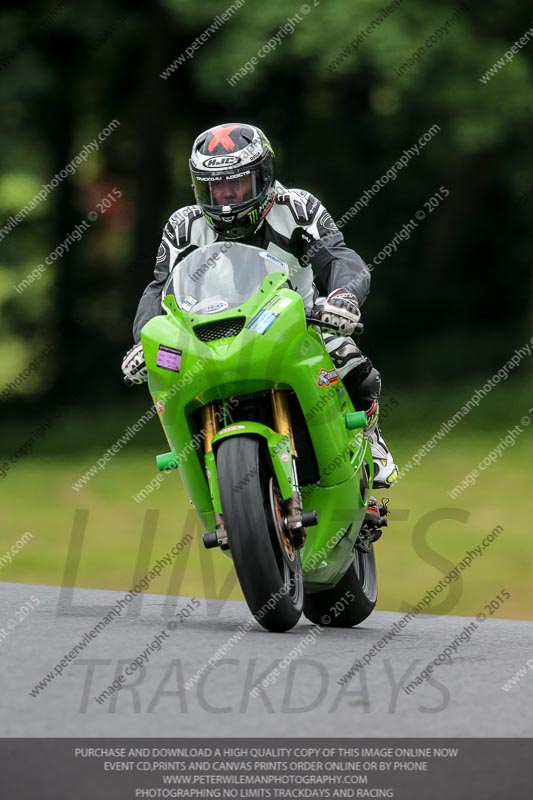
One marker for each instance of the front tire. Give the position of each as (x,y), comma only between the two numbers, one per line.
(270,576)
(335,607)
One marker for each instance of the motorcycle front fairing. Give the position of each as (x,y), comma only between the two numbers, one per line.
(233,328)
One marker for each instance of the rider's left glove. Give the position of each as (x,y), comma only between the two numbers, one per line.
(340,309)
(134,366)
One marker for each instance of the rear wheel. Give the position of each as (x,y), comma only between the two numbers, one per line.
(268,567)
(352,600)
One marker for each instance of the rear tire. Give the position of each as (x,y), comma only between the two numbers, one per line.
(270,577)
(334,608)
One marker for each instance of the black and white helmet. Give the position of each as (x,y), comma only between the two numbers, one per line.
(232,171)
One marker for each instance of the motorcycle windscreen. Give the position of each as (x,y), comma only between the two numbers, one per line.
(220,276)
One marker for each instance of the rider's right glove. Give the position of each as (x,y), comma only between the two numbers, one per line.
(340,309)
(134,366)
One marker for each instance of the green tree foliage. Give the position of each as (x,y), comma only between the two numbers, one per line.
(342,90)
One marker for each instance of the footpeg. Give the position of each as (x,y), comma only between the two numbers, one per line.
(372,515)
(375,516)
(375,519)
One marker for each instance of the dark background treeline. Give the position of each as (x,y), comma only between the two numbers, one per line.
(448,307)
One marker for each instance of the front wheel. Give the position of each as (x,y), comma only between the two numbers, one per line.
(352,600)
(268,567)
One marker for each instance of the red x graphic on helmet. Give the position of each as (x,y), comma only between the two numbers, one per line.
(221,135)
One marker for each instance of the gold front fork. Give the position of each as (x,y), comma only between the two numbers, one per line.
(210,425)
(282,416)
(292,530)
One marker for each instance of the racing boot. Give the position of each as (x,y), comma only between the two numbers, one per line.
(385,470)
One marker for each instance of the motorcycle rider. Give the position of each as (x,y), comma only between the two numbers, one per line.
(239,199)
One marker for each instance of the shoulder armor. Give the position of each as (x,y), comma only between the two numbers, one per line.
(178,229)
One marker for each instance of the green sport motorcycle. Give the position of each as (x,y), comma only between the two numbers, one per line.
(265,437)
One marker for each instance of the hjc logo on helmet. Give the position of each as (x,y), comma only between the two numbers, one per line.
(222,161)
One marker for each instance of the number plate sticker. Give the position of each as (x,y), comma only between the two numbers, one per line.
(262,321)
(168,358)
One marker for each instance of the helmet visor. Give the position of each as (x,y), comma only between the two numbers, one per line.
(216,191)
(221,190)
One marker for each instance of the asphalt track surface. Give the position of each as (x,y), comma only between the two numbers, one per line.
(464,697)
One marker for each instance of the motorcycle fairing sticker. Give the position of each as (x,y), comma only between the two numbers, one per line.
(168,358)
(277,303)
(188,303)
(262,321)
(274,260)
(327,376)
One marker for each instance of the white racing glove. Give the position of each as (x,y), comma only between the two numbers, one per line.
(134,366)
(340,309)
